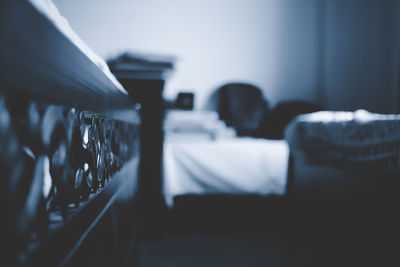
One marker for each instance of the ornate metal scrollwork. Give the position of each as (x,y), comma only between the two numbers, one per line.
(52,158)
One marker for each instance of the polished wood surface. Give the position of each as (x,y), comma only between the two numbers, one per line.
(39,60)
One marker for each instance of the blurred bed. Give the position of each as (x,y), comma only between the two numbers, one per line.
(329,152)
(229,149)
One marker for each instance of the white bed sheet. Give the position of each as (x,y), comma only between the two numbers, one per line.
(225,166)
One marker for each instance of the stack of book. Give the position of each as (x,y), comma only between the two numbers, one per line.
(130,65)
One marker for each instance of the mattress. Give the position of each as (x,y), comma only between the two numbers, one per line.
(341,150)
(239,166)
(347,139)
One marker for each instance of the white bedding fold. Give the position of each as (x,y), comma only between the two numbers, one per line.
(226,166)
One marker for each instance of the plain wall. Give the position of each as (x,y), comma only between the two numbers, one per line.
(269,43)
(361,55)
(297,53)
(339,53)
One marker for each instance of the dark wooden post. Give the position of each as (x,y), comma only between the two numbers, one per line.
(148,94)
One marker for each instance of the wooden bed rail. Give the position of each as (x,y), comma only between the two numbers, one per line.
(69,148)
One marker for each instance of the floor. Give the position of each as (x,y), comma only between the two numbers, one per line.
(219,231)
(211,250)
(239,232)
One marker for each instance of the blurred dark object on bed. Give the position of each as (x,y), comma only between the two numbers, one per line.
(184,100)
(275,121)
(241,106)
